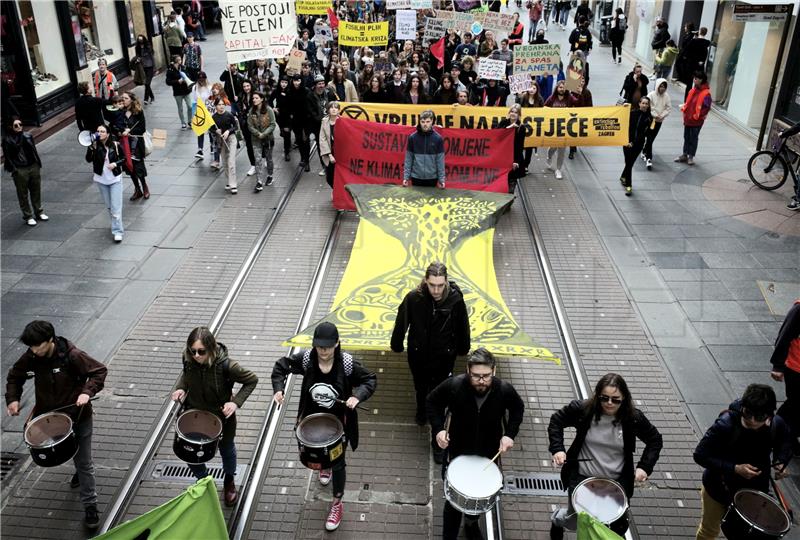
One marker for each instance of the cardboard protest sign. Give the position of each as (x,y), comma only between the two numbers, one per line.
(574,74)
(540,59)
(254,29)
(322,33)
(520,82)
(313,7)
(359,34)
(499,22)
(296,59)
(406,24)
(434,29)
(491,69)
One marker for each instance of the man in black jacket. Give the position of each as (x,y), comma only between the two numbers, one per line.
(232,81)
(485,416)
(88,109)
(435,316)
(739,452)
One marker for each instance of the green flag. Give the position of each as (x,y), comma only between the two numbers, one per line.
(591,529)
(193,514)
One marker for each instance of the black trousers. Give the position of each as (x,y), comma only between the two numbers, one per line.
(428,370)
(424,182)
(789,410)
(451,516)
(248,141)
(631,153)
(286,135)
(616,46)
(329,170)
(301,137)
(339,478)
(148,80)
(650,136)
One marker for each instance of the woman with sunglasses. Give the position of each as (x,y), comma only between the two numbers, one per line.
(206,383)
(607,426)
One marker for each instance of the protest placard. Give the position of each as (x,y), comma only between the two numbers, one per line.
(499,22)
(521,82)
(574,74)
(491,69)
(421,4)
(540,59)
(406,24)
(313,7)
(322,33)
(255,29)
(434,29)
(398,4)
(296,59)
(359,34)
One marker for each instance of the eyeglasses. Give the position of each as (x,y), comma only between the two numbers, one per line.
(752,416)
(478,377)
(614,400)
(197,352)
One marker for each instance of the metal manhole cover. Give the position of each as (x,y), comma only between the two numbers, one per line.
(9,465)
(178,471)
(538,484)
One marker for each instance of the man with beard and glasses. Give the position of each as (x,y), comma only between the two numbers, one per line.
(485,415)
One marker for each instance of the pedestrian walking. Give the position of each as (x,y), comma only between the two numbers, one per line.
(435,316)
(484,430)
(174,35)
(530,99)
(107,161)
(22,162)
(785,362)
(318,100)
(634,86)
(512,121)
(746,443)
(144,52)
(535,8)
(243,107)
(281,106)
(132,143)
(695,110)
(88,109)
(206,384)
(640,121)
(327,134)
(261,124)
(201,93)
(65,378)
(181,89)
(424,161)
(606,428)
(619,25)
(333,383)
(560,98)
(193,60)
(299,103)
(660,107)
(225,127)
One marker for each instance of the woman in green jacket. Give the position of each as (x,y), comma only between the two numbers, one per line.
(261,123)
(207,384)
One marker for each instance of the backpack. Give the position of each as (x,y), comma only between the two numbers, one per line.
(622,24)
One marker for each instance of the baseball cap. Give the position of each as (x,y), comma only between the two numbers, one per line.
(325,335)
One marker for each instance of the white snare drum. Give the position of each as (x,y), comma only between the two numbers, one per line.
(472,484)
(602,498)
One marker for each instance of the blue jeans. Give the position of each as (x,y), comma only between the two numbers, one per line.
(691,134)
(564,16)
(181,102)
(112,197)
(227,451)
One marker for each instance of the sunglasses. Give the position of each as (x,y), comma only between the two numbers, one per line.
(606,399)
(197,352)
(17,124)
(752,416)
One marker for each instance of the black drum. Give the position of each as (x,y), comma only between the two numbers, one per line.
(320,438)
(50,439)
(197,435)
(754,515)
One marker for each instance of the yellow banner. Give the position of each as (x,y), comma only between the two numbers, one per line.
(312,7)
(402,230)
(545,126)
(359,34)
(201,121)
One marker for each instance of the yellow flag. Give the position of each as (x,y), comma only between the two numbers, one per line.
(201,121)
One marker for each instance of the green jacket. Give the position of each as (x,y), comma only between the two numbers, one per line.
(173,36)
(206,386)
(667,56)
(256,125)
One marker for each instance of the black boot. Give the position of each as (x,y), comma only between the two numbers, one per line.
(556,532)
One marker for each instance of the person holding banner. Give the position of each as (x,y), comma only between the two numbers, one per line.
(560,98)
(530,99)
(415,94)
(333,383)
(424,163)
(512,121)
(637,132)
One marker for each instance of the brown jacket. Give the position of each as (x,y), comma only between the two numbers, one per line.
(58,380)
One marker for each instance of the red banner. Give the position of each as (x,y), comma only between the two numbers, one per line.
(373,153)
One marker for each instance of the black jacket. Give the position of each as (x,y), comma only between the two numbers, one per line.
(138,125)
(173,79)
(639,123)
(89,112)
(232,83)
(435,329)
(19,149)
(298,101)
(580,39)
(728,443)
(96,155)
(473,431)
(279,99)
(360,382)
(630,85)
(577,416)
(660,37)
(519,146)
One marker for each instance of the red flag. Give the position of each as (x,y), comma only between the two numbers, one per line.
(437,50)
(333,18)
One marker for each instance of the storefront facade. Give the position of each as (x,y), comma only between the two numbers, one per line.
(48,46)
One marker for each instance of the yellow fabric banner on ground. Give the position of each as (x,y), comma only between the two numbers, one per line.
(202,120)
(360,34)
(312,7)
(402,230)
(545,126)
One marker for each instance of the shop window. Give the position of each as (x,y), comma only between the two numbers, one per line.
(99,30)
(46,58)
(789,106)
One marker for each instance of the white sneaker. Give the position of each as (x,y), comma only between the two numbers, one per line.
(117,238)
(198,154)
(43,217)
(251,171)
(31,222)
(649,164)
(559,176)
(322,172)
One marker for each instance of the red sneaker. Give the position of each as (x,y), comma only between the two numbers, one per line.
(334,516)
(325,476)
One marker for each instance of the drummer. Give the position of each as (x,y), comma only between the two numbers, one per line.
(738,451)
(477,403)
(333,383)
(206,383)
(63,375)
(607,426)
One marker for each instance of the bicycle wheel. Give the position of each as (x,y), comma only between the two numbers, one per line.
(767,170)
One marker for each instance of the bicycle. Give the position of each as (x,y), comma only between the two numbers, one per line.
(768,168)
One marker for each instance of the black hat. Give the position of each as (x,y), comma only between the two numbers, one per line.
(325,335)
(297,77)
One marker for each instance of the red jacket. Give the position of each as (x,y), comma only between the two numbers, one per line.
(787,345)
(697,105)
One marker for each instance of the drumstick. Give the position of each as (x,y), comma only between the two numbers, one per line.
(72,404)
(492,461)
(340,402)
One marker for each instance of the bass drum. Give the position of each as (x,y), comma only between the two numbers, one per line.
(50,439)
(754,515)
(320,438)
(197,436)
